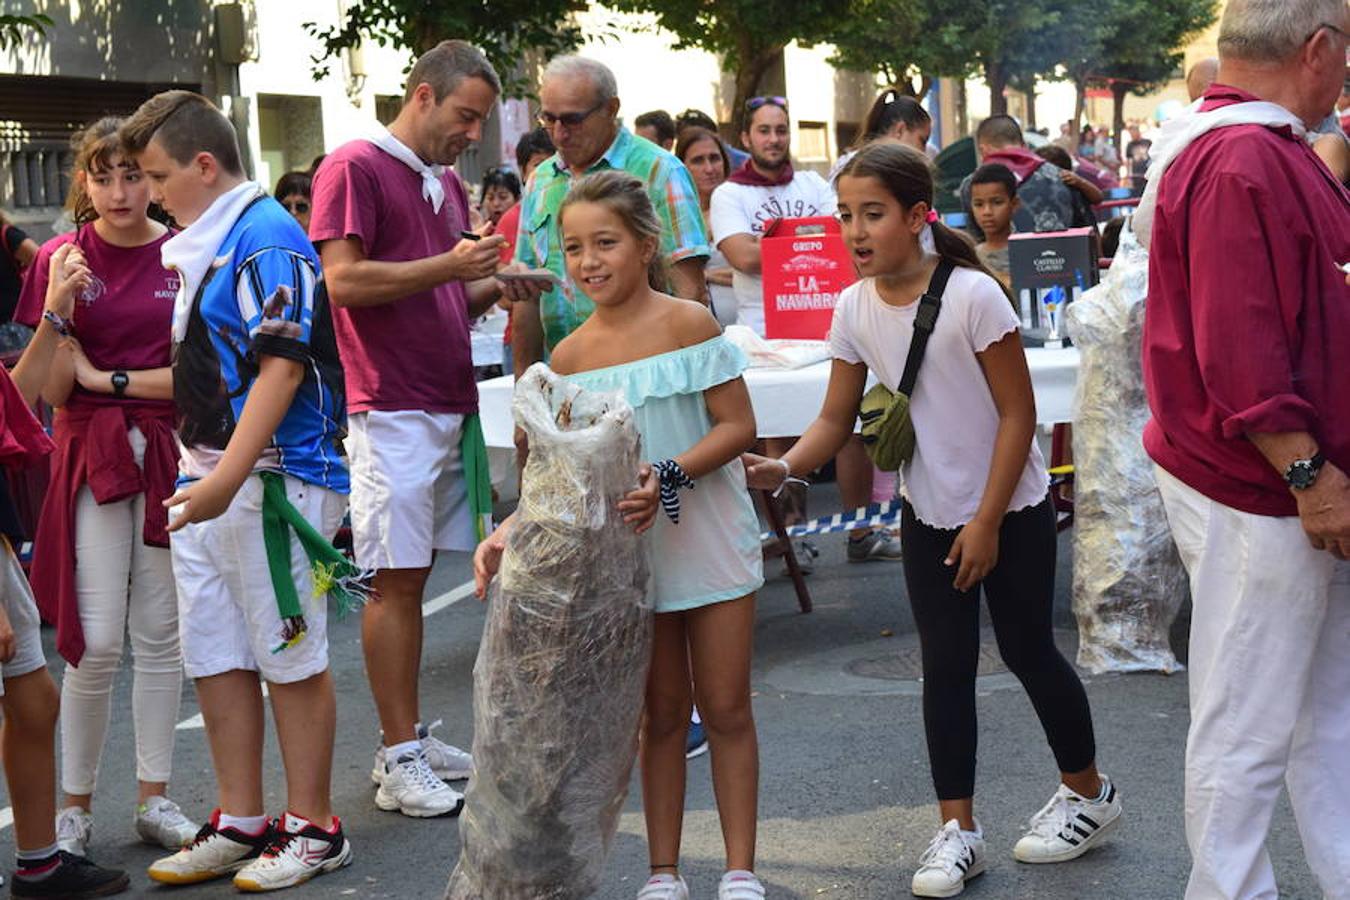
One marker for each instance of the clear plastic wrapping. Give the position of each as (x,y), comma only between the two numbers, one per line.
(1128,581)
(562,667)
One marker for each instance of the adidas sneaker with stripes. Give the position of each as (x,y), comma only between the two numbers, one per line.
(1069,825)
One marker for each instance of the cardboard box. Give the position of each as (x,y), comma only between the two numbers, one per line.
(804,265)
(1040,263)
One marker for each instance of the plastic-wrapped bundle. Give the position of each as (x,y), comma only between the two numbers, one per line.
(1128,582)
(562,667)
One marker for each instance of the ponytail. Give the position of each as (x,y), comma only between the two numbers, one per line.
(908,176)
(891,108)
(958,249)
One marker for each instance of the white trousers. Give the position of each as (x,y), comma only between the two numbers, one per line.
(1270,696)
(121,586)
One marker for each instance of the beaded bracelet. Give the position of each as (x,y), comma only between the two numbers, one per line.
(672,477)
(62,326)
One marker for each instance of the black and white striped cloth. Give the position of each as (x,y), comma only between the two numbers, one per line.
(672,477)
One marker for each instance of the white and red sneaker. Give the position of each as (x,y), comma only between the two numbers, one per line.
(214,853)
(298,851)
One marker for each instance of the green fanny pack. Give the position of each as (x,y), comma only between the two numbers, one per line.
(887,429)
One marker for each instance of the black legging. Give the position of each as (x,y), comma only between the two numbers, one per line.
(1020,594)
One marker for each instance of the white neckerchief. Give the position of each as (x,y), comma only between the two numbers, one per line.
(1177,134)
(192,252)
(433,189)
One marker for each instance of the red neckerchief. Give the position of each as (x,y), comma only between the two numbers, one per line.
(748,174)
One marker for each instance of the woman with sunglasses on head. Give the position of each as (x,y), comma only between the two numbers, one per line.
(101,564)
(293,192)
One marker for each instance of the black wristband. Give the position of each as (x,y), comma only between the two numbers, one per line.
(672,477)
(120,380)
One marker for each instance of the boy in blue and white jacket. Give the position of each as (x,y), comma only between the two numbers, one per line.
(258,391)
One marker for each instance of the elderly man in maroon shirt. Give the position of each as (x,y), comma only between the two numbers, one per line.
(1247,364)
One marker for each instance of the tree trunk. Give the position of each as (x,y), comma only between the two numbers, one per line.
(427,34)
(925,85)
(1031,102)
(1118,92)
(962,119)
(1079,104)
(997,78)
(754,63)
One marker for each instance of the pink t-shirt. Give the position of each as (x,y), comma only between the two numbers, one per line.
(125,320)
(412,353)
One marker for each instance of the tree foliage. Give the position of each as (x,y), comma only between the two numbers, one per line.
(750,35)
(508,31)
(1143,45)
(886,37)
(1004,41)
(13,28)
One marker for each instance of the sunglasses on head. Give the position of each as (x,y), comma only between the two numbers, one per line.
(755,103)
(296,206)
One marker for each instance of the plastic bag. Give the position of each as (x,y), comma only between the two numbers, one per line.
(1128,581)
(562,667)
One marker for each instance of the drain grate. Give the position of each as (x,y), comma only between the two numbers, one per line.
(905,663)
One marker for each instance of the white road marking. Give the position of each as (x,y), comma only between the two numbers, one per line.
(449,598)
(429,608)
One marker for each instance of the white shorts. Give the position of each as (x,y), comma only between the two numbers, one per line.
(21,609)
(227,607)
(409,498)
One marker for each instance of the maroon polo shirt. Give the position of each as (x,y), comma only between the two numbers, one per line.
(1248,325)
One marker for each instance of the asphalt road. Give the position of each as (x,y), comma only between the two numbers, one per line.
(846,804)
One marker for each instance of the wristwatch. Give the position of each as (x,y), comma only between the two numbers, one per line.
(1303,472)
(120,380)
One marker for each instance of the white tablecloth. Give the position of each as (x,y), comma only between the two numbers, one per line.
(786,401)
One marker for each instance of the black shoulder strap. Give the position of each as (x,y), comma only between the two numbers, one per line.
(925,320)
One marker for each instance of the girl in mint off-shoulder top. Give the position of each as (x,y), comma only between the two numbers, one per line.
(683,380)
(713,553)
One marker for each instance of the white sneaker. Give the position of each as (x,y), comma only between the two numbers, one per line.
(159,821)
(410,787)
(952,858)
(664,887)
(74,825)
(448,761)
(299,850)
(1068,826)
(214,853)
(739,884)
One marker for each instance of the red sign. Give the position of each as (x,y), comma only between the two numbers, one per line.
(804,265)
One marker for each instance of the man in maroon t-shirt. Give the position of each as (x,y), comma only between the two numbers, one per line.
(1244,361)
(388,218)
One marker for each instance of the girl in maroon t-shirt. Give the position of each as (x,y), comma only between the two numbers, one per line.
(101,564)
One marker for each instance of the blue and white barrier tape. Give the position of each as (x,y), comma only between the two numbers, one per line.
(877,515)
